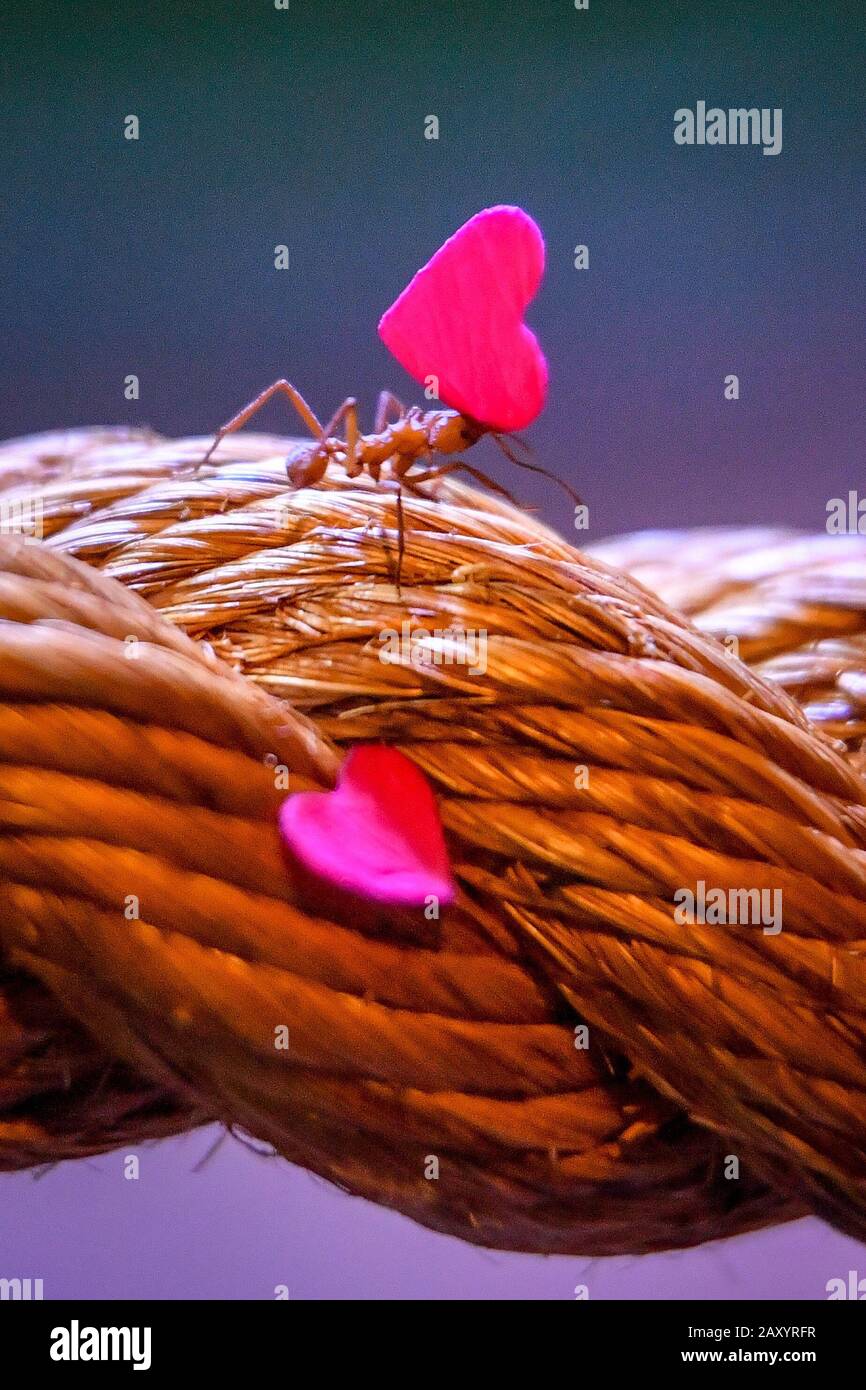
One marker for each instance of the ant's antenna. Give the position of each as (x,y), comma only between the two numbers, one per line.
(534,467)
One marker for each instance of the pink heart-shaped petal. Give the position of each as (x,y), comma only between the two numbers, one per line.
(377,835)
(460,320)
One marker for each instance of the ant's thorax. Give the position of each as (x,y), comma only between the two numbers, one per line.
(415,435)
(420,432)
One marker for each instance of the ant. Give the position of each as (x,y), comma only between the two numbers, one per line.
(401,438)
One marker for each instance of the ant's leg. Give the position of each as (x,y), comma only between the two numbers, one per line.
(387,404)
(394,485)
(237,421)
(410,482)
(442,470)
(401,538)
(312,465)
(501,439)
(353,464)
(348,411)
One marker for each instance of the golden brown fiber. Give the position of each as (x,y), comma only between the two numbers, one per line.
(705,1040)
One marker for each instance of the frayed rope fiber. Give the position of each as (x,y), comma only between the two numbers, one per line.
(594,755)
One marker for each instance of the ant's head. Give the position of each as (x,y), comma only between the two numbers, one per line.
(451,432)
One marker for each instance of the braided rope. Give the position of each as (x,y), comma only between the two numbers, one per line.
(795,604)
(697,769)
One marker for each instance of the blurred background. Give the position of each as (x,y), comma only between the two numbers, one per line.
(304,127)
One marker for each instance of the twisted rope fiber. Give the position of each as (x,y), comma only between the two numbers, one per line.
(795,603)
(697,769)
(167,806)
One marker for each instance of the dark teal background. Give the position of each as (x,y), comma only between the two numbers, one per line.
(305,127)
